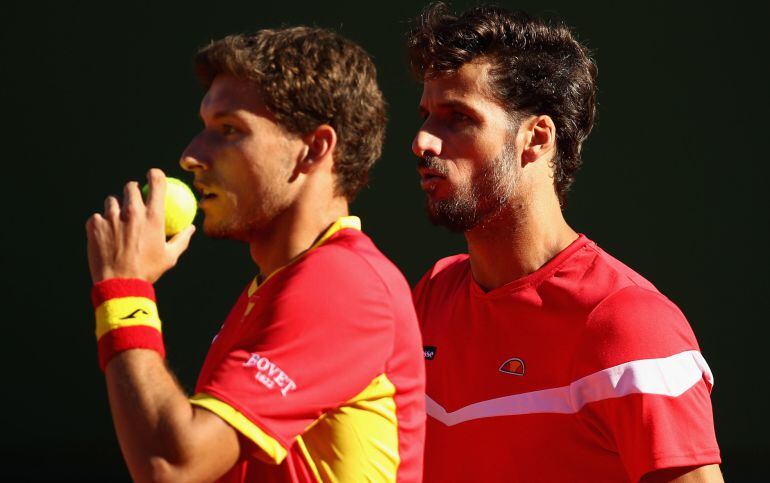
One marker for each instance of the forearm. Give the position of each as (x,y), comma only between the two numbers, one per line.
(163,437)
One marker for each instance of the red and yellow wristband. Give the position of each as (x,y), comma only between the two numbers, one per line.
(126,317)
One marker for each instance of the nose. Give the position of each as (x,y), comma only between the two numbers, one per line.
(191,160)
(425,143)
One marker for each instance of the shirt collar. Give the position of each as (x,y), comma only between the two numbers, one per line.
(342,222)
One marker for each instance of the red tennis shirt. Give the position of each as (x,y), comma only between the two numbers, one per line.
(320,371)
(580,371)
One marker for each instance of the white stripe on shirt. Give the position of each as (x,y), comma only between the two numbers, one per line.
(667,376)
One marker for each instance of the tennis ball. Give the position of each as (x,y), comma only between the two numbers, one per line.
(180,205)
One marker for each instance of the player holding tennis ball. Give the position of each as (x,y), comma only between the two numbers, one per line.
(316,374)
(180,205)
(135,229)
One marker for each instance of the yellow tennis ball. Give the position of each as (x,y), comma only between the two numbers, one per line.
(180,205)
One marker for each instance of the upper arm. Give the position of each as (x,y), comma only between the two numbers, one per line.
(689,474)
(651,397)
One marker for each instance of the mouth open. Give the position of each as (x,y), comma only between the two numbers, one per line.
(430,179)
(206,194)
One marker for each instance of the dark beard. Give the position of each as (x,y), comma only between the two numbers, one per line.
(489,191)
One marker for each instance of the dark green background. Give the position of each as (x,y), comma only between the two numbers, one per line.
(92,95)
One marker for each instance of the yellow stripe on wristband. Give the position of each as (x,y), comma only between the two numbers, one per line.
(126,312)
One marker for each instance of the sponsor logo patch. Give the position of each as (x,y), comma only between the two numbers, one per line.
(513,366)
(429,352)
(270,375)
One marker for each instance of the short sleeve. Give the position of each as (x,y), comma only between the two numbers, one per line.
(322,337)
(643,385)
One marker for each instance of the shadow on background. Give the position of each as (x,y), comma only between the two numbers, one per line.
(94,95)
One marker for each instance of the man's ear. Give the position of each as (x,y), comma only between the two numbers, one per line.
(319,148)
(539,134)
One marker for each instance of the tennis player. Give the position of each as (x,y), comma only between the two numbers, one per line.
(547,359)
(316,374)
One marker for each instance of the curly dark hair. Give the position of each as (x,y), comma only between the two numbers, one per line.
(308,77)
(537,68)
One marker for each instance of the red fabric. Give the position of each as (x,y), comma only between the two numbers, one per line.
(125,338)
(113,288)
(331,322)
(581,313)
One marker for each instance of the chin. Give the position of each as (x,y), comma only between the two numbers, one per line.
(443,213)
(212,229)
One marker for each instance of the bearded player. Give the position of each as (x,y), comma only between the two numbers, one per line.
(316,373)
(546,358)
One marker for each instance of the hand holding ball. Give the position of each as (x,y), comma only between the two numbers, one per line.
(180,205)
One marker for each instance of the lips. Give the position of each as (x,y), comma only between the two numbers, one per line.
(429,181)
(430,177)
(206,192)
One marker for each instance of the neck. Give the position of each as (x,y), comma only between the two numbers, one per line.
(517,241)
(294,231)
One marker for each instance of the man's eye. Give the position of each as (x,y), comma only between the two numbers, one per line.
(460,117)
(227,129)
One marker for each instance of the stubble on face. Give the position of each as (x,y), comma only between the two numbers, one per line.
(478,198)
(250,217)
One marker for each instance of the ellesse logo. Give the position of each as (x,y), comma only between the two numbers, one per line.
(513,366)
(429,352)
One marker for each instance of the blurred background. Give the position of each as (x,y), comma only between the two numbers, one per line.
(94,94)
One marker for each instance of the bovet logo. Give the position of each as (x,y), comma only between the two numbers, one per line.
(269,374)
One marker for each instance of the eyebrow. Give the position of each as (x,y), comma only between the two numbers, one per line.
(219,115)
(459,105)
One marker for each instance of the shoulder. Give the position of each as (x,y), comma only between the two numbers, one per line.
(347,269)
(630,310)
(633,323)
(625,275)
(348,258)
(447,270)
(337,283)
(449,267)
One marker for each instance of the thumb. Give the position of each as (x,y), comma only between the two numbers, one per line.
(179,242)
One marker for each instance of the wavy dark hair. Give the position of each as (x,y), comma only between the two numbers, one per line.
(308,77)
(537,68)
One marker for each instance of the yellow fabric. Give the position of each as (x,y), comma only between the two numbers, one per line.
(272,448)
(357,441)
(126,312)
(341,223)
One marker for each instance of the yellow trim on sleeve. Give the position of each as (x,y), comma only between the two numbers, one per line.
(309,459)
(357,441)
(342,222)
(272,448)
(126,312)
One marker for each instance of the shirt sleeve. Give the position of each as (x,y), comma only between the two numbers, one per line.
(323,338)
(646,386)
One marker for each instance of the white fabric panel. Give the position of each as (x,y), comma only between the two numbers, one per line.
(668,376)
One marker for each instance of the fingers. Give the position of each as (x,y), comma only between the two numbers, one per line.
(156,198)
(99,233)
(179,242)
(132,200)
(111,209)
